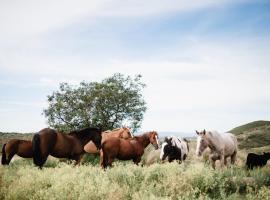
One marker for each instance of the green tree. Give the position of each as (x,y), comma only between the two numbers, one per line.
(113,102)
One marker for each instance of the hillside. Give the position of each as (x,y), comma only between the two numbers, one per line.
(254,136)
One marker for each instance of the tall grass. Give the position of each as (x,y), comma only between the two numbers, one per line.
(59,180)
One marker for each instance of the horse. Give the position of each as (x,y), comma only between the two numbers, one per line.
(22,148)
(174,148)
(50,142)
(222,146)
(255,160)
(127,149)
(123,132)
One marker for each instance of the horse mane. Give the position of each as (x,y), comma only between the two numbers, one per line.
(83,132)
(116,129)
(144,134)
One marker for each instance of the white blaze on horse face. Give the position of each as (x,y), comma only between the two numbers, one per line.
(157,140)
(199,139)
(162,150)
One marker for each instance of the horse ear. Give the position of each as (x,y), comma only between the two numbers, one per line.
(197,132)
(204,131)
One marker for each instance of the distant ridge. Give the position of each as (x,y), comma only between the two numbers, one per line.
(254,136)
(250,126)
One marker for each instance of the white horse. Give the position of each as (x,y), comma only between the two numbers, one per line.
(179,143)
(222,146)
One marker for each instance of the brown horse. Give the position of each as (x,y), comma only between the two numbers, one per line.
(22,148)
(129,149)
(123,132)
(50,142)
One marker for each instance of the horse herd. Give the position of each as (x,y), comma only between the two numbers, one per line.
(123,145)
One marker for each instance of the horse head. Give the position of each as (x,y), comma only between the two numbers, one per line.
(125,133)
(153,138)
(202,142)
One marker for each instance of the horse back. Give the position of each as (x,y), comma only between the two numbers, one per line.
(230,141)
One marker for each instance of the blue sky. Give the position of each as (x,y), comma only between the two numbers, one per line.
(205,63)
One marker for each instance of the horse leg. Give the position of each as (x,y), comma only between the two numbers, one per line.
(213,160)
(214,164)
(225,161)
(110,161)
(9,157)
(78,158)
(222,159)
(101,159)
(137,160)
(233,158)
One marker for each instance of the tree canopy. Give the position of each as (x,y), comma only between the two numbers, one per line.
(111,103)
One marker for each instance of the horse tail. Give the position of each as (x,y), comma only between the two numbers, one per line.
(4,158)
(36,150)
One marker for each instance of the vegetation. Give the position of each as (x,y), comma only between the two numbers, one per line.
(254,136)
(249,127)
(115,101)
(194,179)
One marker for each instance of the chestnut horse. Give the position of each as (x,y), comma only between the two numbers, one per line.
(50,142)
(22,148)
(123,132)
(129,149)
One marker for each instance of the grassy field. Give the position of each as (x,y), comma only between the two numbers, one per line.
(194,179)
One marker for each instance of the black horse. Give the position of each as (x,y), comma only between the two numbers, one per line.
(255,160)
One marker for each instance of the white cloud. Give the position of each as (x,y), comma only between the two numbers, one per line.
(20,19)
(221,84)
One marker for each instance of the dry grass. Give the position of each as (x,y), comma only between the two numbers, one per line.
(192,180)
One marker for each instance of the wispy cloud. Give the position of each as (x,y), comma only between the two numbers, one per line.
(204,64)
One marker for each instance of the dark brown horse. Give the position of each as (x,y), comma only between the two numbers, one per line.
(50,142)
(22,148)
(127,149)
